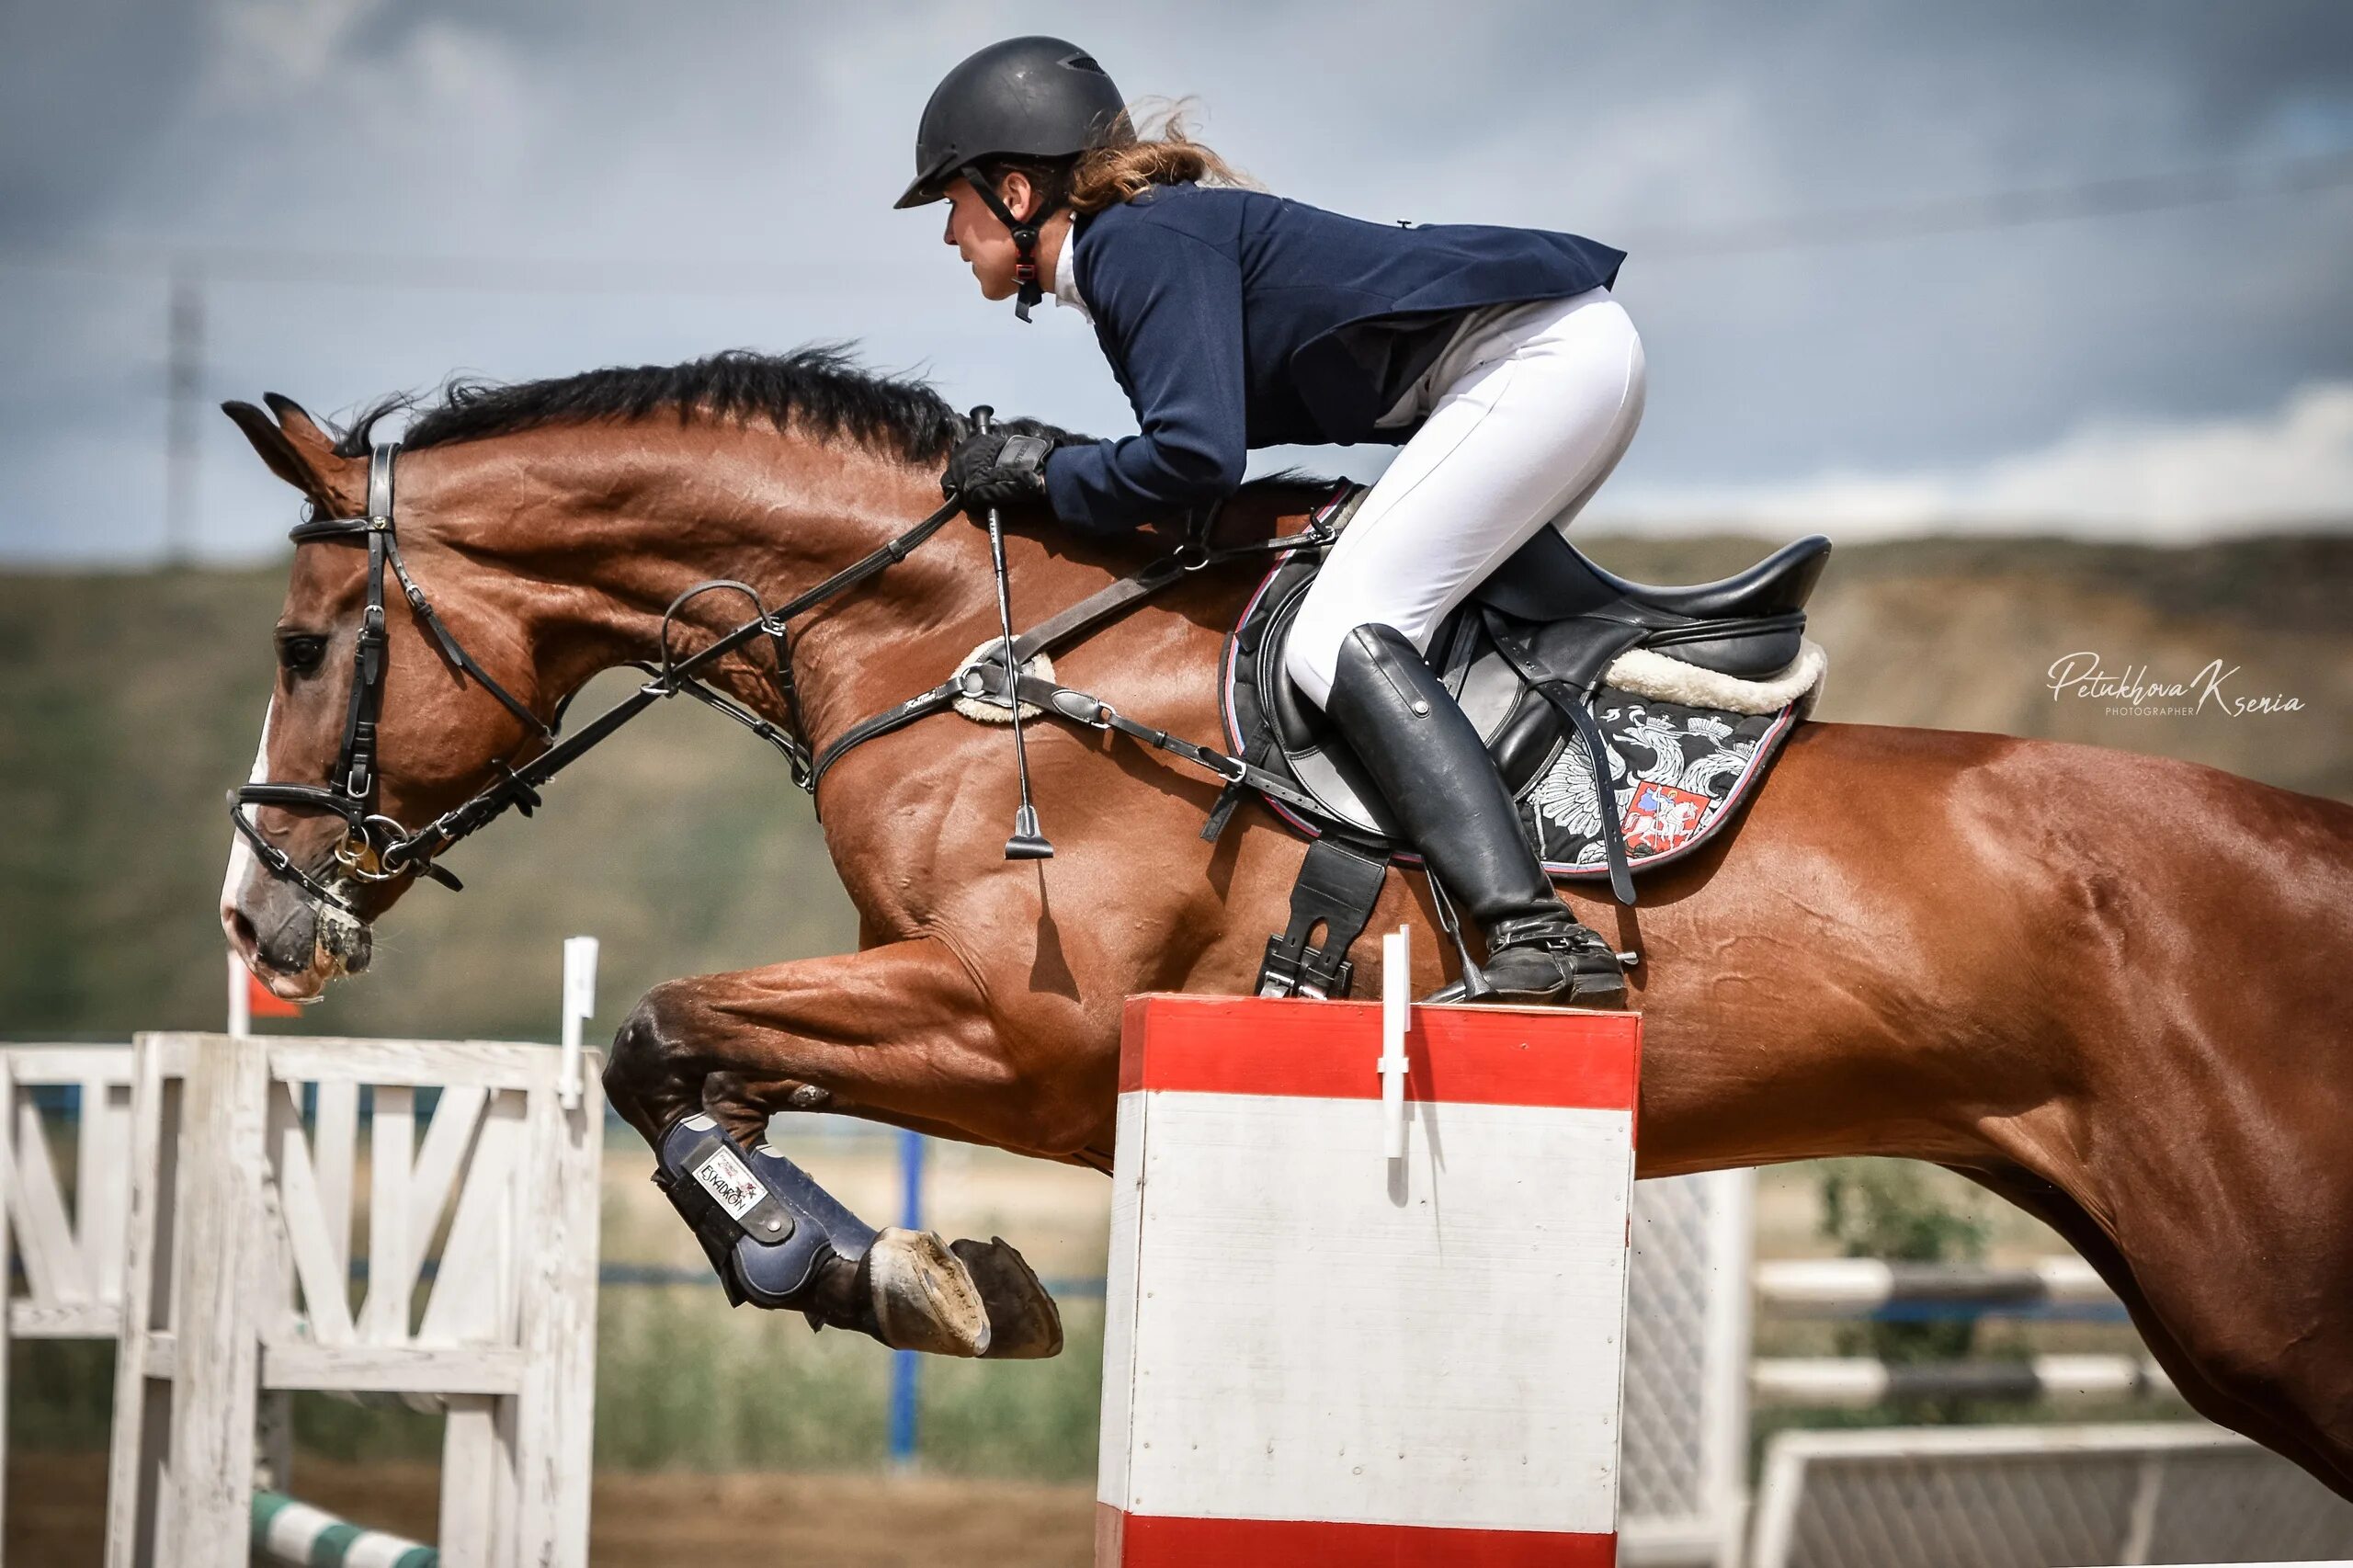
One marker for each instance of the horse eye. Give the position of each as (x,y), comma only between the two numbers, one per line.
(299,653)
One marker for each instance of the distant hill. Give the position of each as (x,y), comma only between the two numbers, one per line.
(130,703)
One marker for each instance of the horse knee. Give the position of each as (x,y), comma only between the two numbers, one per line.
(645,1076)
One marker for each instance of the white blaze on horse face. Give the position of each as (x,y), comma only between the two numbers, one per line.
(243,867)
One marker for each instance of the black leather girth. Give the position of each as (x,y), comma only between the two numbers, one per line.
(1339,885)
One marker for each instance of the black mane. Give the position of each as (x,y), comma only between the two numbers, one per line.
(820,389)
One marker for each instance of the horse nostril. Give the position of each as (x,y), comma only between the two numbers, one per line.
(242,932)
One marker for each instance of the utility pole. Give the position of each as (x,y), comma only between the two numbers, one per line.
(183,384)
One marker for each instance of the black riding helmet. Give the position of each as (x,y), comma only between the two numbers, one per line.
(1043,99)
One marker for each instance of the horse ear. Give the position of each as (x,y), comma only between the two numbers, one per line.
(295,417)
(302,455)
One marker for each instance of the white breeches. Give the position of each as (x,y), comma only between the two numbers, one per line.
(1524,421)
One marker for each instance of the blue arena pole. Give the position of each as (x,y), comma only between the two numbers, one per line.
(906,1365)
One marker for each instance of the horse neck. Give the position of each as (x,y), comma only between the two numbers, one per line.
(589,540)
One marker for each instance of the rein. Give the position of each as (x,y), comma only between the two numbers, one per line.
(377,849)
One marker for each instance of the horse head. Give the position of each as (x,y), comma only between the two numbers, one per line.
(443,607)
(428,736)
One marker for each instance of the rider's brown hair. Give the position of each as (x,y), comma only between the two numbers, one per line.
(1132,163)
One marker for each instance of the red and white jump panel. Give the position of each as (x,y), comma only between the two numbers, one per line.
(1318,1354)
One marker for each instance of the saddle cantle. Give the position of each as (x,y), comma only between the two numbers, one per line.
(1687,692)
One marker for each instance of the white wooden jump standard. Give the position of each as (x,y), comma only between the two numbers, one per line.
(1315,1354)
(239,1264)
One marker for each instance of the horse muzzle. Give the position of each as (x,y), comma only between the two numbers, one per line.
(293,945)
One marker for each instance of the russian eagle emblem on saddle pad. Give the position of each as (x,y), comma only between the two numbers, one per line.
(1690,692)
(1676,773)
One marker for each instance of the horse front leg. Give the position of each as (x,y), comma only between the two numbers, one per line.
(898,1033)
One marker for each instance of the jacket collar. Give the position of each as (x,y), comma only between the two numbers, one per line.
(1065,278)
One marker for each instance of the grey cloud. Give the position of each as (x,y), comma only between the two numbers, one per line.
(84,88)
(733,133)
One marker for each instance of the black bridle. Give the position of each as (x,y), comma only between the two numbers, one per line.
(376,847)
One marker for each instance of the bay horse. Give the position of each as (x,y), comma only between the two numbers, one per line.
(2113,989)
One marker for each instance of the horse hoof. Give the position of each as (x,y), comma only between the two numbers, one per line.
(924,1297)
(1023,1323)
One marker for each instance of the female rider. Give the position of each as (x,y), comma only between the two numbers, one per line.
(1236,319)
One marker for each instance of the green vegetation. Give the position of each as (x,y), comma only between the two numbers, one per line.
(705,1388)
(1892,1209)
(684,1383)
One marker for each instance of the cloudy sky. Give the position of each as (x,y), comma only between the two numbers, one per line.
(1848,316)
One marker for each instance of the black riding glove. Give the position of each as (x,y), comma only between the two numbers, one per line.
(996,469)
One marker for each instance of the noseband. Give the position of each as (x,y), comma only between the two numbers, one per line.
(377,849)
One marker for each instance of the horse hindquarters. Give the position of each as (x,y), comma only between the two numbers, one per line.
(2209,1063)
(1965,948)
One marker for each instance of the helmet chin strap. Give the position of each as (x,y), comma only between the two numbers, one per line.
(1025,237)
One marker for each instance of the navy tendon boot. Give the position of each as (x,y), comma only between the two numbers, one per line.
(1441,785)
(778,1239)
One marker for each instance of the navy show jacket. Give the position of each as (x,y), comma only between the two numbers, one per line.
(1235,319)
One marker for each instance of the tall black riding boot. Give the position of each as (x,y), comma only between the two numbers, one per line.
(1441,785)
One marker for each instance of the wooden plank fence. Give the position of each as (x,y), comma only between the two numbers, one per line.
(240,1270)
